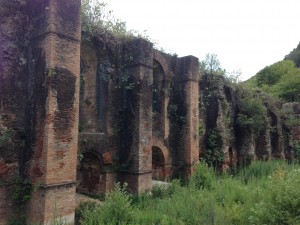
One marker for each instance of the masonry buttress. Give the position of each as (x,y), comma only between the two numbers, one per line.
(54,73)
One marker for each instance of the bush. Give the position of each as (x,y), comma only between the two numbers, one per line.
(283,204)
(203,177)
(116,209)
(252,115)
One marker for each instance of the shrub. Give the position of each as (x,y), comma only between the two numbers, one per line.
(252,115)
(213,154)
(203,177)
(283,204)
(116,209)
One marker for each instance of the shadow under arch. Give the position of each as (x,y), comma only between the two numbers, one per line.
(89,174)
(160,162)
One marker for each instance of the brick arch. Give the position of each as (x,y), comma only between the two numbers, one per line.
(158,57)
(160,162)
(166,152)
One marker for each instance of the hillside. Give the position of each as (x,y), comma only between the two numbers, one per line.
(281,79)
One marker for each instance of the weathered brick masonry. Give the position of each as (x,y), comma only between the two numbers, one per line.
(138,112)
(80,115)
(138,115)
(53,80)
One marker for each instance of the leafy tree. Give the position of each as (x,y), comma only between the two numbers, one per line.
(282,79)
(272,74)
(211,65)
(288,88)
(294,55)
(98,20)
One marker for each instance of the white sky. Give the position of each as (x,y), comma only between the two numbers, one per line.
(245,34)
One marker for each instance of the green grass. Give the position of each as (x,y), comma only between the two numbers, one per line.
(263,193)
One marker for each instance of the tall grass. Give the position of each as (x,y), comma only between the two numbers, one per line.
(263,193)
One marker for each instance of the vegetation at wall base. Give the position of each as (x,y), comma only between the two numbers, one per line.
(262,193)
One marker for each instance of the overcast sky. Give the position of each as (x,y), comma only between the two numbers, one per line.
(245,34)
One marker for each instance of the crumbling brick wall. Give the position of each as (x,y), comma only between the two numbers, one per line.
(136,112)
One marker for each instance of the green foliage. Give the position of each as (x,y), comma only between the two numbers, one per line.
(84,207)
(281,204)
(211,65)
(272,74)
(117,209)
(98,20)
(294,56)
(288,88)
(260,169)
(252,115)
(203,177)
(281,79)
(201,128)
(213,154)
(21,195)
(80,156)
(263,193)
(292,121)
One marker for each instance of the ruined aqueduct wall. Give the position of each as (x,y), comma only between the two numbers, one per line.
(80,116)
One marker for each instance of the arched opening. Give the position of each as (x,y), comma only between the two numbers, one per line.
(158,164)
(158,100)
(89,174)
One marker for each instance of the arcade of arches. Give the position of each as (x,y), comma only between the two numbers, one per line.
(134,115)
(103,111)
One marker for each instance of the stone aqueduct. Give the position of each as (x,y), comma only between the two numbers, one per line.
(146,127)
(79,116)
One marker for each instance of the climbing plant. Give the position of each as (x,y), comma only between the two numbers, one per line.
(20,195)
(213,154)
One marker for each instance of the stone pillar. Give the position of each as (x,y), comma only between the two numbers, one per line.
(53,97)
(187,78)
(138,61)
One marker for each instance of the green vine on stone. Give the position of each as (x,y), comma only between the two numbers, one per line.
(213,154)
(20,196)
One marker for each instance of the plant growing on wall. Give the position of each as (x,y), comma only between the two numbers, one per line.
(211,65)
(97,20)
(252,115)
(21,195)
(213,154)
